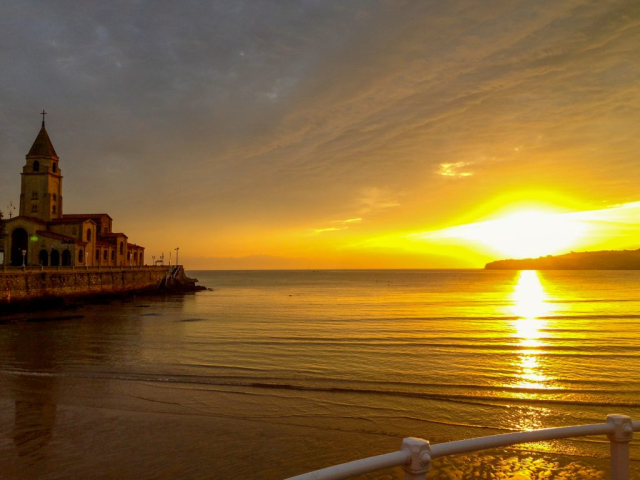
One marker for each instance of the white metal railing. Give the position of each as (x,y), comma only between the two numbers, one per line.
(416,454)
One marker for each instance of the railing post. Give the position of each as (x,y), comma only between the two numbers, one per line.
(619,440)
(420,461)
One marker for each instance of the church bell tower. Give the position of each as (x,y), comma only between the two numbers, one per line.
(41,192)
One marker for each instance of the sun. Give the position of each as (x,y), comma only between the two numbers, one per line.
(525,233)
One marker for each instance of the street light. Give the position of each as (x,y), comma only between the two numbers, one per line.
(24,253)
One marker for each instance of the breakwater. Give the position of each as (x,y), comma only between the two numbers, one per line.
(19,285)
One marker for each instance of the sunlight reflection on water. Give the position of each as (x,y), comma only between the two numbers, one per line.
(530,306)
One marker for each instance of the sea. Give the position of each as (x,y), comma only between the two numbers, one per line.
(271,374)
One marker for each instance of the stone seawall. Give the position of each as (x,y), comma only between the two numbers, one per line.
(17,285)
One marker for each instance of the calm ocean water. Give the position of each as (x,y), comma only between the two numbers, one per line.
(272,374)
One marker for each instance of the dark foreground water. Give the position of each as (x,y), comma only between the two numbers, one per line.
(272,374)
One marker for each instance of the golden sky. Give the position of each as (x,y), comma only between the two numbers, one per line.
(332,134)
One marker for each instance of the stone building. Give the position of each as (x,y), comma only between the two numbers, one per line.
(43,235)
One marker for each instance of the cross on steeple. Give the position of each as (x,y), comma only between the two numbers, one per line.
(43,114)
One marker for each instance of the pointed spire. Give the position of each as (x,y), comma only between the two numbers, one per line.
(42,146)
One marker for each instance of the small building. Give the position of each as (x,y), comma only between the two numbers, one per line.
(42,234)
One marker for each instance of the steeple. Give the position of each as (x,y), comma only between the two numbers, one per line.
(42,146)
(41,192)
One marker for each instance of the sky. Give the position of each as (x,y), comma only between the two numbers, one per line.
(334,134)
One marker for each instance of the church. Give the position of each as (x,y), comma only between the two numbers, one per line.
(42,235)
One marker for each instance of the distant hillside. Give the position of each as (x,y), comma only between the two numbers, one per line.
(607,260)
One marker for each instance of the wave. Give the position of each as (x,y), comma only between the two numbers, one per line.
(281,384)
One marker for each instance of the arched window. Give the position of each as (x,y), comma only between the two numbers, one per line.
(55,258)
(113,255)
(19,244)
(34,195)
(36,166)
(105,255)
(44,257)
(54,167)
(34,208)
(121,248)
(97,254)
(80,256)
(53,209)
(88,235)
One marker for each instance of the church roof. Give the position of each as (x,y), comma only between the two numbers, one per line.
(58,236)
(42,146)
(25,217)
(86,215)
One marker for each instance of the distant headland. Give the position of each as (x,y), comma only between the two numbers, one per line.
(603,260)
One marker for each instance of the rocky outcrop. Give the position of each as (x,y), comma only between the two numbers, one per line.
(177,281)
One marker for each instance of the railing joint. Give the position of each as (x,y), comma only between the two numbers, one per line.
(419,462)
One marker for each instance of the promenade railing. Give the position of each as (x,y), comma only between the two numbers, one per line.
(94,268)
(416,454)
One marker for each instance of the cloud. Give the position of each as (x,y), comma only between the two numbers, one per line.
(328,229)
(344,224)
(374,198)
(453,170)
(349,220)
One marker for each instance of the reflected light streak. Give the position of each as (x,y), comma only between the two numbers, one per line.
(529,305)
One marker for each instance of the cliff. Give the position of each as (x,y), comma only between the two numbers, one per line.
(604,260)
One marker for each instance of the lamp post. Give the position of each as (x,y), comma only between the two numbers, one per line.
(24,253)
(177,249)
(153,260)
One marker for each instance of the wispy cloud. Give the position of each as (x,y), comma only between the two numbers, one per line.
(344,224)
(454,170)
(328,229)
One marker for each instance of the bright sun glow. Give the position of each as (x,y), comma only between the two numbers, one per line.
(525,233)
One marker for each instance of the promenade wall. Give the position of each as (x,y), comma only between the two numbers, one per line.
(33,283)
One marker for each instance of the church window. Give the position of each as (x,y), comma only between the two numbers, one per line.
(53,209)
(36,166)
(34,208)
(89,235)
(105,254)
(34,195)
(97,254)
(54,167)
(80,256)
(55,197)
(121,248)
